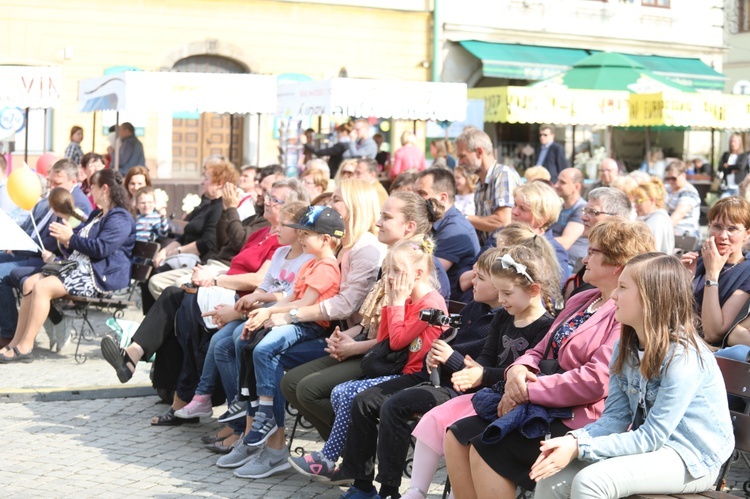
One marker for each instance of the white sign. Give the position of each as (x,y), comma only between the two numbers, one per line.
(30,86)
(742,87)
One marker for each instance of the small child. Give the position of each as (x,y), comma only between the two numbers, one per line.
(522,278)
(320,233)
(149,224)
(409,289)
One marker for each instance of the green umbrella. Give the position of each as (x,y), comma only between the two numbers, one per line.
(613,71)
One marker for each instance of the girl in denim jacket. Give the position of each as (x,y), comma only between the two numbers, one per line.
(665,387)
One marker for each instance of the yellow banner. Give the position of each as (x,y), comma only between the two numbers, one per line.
(553,105)
(701,110)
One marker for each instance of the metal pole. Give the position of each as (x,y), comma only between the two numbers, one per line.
(714,166)
(231,136)
(93,134)
(117,140)
(436,40)
(26,139)
(44,136)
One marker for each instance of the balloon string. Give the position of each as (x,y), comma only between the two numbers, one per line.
(41,244)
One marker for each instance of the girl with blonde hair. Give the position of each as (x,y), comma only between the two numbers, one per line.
(648,199)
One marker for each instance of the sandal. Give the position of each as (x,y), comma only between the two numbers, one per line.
(17,356)
(118,358)
(169,419)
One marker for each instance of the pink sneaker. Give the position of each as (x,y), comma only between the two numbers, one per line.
(199,407)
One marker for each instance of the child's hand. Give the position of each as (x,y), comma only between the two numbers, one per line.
(469,377)
(438,354)
(690,260)
(399,288)
(256,318)
(245,303)
(221,315)
(556,454)
(276,320)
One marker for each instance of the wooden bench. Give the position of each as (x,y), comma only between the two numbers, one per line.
(143,254)
(737,380)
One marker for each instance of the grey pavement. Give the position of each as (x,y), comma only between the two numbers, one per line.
(73,430)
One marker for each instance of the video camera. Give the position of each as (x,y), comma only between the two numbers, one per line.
(436,317)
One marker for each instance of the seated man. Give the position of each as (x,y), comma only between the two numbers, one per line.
(64,173)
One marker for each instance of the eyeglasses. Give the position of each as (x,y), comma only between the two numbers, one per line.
(270,200)
(544,135)
(670,179)
(594,213)
(593,251)
(732,230)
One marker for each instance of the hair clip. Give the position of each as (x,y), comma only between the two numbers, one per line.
(507,262)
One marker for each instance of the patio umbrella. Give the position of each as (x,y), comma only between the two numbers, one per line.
(613,71)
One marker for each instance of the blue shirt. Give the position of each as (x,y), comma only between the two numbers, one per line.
(572,214)
(457,242)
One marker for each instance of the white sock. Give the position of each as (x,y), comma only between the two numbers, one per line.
(424,467)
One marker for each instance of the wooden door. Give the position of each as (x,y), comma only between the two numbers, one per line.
(193,140)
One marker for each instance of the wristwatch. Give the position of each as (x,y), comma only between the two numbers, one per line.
(293,313)
(709,282)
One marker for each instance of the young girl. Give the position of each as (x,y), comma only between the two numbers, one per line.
(665,386)
(409,289)
(320,233)
(523,280)
(277,284)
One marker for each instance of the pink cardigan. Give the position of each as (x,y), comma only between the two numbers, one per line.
(585,358)
(409,157)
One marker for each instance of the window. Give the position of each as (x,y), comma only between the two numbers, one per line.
(655,3)
(743,16)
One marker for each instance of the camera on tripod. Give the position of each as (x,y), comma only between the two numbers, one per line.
(436,317)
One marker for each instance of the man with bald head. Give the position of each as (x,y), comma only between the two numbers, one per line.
(568,230)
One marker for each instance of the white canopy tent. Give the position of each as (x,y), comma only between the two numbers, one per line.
(27,87)
(403,100)
(178,92)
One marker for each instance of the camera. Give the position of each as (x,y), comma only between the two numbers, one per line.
(436,317)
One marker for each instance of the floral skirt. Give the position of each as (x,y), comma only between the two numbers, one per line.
(79,280)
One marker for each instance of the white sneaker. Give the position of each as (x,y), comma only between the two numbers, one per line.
(240,454)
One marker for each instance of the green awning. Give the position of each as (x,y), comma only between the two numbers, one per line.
(689,72)
(522,62)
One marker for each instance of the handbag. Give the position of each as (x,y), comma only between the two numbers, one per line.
(381,360)
(59,268)
(549,366)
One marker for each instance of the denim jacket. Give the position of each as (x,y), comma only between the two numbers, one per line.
(686,410)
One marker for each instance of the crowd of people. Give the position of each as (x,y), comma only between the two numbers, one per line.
(332,294)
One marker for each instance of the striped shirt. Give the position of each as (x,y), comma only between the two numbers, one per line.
(151,227)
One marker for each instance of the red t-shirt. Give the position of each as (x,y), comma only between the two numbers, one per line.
(323,276)
(259,247)
(402,326)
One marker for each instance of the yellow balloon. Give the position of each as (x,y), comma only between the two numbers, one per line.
(24,188)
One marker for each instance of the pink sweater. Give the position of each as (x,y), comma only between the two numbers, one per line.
(585,358)
(407,158)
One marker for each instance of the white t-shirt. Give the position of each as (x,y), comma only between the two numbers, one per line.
(280,276)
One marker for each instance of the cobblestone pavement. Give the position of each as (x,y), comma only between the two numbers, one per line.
(72,430)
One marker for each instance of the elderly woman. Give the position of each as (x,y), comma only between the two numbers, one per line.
(722,274)
(649,205)
(581,341)
(684,202)
(101,250)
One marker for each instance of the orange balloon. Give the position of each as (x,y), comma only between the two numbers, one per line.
(45,162)
(24,188)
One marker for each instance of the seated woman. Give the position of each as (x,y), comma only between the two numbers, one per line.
(395,402)
(176,259)
(581,341)
(359,260)
(665,387)
(409,289)
(101,254)
(722,274)
(649,205)
(136,178)
(91,163)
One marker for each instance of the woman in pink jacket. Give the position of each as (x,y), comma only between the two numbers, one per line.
(409,157)
(581,340)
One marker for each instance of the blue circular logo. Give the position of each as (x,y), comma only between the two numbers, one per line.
(12,118)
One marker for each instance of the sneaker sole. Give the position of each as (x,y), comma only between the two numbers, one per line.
(263,440)
(238,463)
(226,419)
(180,414)
(280,467)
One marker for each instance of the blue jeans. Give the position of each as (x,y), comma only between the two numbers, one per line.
(210,374)
(737,352)
(303,352)
(225,357)
(9,315)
